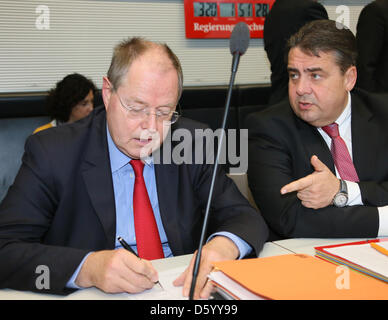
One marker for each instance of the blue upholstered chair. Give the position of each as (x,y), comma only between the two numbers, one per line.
(13,134)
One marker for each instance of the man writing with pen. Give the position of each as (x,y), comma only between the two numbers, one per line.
(72,200)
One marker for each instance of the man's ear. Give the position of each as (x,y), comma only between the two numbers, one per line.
(106,91)
(350,78)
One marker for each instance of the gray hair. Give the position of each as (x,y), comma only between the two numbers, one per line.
(128,50)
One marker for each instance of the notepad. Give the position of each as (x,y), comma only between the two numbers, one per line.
(294,277)
(358,255)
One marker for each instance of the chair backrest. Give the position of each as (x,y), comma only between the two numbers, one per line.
(13,134)
(241,180)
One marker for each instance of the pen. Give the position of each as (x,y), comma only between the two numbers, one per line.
(126,246)
(379,248)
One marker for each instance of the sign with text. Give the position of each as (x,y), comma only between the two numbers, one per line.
(217,18)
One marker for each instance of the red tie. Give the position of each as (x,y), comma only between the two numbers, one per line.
(341,156)
(148,241)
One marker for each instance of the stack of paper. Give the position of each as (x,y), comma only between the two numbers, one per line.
(360,256)
(293,277)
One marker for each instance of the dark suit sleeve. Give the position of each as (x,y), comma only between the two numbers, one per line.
(374,193)
(276,158)
(25,217)
(370,37)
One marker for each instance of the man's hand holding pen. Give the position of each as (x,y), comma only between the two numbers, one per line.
(115,271)
(121,270)
(126,246)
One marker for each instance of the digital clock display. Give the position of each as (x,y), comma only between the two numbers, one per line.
(262,9)
(209,9)
(217,18)
(227,10)
(245,9)
(205,9)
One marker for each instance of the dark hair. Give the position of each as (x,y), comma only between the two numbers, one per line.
(68,93)
(129,49)
(326,36)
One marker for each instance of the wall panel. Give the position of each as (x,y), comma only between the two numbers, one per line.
(81,35)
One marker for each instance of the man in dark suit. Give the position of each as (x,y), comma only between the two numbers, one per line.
(308,179)
(79,185)
(285,18)
(372,45)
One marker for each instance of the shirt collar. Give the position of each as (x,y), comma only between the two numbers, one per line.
(345,115)
(119,159)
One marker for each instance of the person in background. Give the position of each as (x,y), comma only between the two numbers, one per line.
(372,46)
(318,162)
(83,185)
(285,18)
(71,100)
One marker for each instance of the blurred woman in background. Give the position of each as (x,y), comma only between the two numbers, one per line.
(71,100)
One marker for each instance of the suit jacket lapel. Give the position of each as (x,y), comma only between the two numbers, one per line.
(98,178)
(167,184)
(365,137)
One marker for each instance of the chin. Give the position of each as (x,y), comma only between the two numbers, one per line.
(307,115)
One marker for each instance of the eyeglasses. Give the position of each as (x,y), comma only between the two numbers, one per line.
(143,112)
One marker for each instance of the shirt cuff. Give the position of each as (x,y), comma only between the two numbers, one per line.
(354,194)
(243,247)
(383,221)
(71,283)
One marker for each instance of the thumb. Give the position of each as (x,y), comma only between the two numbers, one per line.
(317,164)
(178,282)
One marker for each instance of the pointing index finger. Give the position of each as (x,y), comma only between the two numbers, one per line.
(296,185)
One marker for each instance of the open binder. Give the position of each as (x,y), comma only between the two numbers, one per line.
(360,256)
(293,277)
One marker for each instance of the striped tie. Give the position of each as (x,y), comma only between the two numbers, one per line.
(340,153)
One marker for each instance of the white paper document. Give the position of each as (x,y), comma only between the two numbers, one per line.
(166,278)
(168,292)
(232,286)
(365,256)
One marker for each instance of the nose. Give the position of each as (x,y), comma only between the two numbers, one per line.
(89,107)
(150,121)
(303,86)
